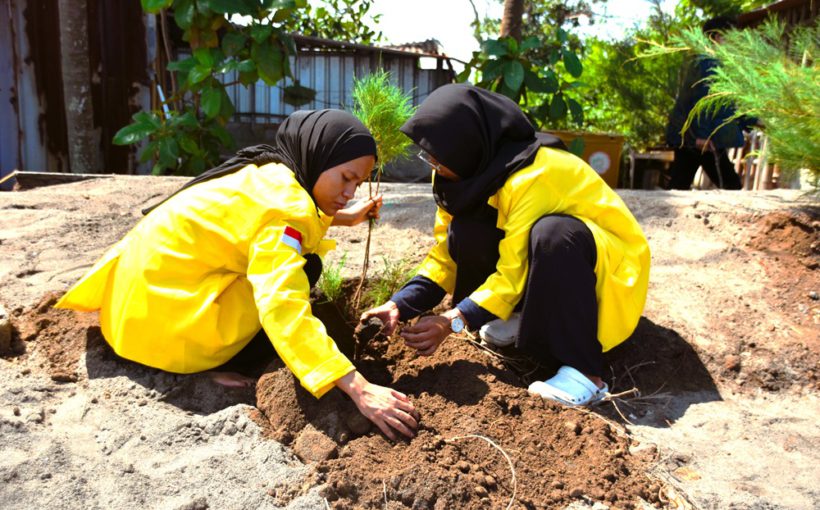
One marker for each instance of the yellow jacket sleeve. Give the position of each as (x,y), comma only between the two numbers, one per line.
(281,292)
(502,290)
(438,265)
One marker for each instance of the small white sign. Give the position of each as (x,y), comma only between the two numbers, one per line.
(600,162)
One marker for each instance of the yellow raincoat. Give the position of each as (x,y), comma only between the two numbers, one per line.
(193,282)
(558,183)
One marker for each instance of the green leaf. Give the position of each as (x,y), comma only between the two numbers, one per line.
(246,66)
(233,43)
(211,102)
(280,4)
(204,57)
(222,134)
(249,77)
(182,65)
(154,6)
(492,69)
(512,45)
(297,95)
(513,75)
(558,107)
(148,153)
(184,13)
(268,60)
(133,133)
(507,91)
(562,35)
(261,33)
(576,111)
(198,74)
(147,119)
(186,120)
(529,43)
(288,42)
(156,169)
(572,63)
(188,144)
(577,146)
(463,75)
(494,48)
(168,152)
(243,7)
(538,84)
(227,109)
(281,15)
(554,57)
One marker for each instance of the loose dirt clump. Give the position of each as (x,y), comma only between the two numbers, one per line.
(472,408)
(57,339)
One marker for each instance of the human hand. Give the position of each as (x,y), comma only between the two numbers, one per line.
(388,409)
(359,211)
(427,334)
(388,313)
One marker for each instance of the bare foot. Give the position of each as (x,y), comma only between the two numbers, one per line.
(232,380)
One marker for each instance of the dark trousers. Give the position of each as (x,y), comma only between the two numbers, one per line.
(259,351)
(559,310)
(716,165)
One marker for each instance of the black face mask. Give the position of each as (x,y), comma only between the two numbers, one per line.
(481,136)
(308,142)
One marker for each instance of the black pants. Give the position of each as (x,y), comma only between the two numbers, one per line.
(559,310)
(259,351)
(716,165)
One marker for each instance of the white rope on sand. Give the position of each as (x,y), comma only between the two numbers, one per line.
(494,445)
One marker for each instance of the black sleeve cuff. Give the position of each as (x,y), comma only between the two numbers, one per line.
(417,296)
(474,314)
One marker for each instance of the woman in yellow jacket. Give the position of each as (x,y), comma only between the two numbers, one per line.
(532,244)
(232,252)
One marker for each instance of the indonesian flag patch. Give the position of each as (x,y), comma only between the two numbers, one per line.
(292,238)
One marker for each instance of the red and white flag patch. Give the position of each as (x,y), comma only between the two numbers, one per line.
(292,238)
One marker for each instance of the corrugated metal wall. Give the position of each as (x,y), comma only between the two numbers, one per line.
(331,75)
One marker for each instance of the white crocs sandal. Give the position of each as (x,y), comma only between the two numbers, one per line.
(501,333)
(569,387)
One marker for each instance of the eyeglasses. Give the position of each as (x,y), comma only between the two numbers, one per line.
(422,155)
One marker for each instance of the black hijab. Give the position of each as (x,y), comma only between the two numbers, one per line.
(308,142)
(481,136)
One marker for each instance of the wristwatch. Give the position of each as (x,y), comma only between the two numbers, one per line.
(457,324)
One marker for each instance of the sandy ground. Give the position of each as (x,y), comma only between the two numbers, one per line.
(735,428)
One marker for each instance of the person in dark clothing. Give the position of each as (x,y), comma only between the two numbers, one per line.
(535,248)
(707,139)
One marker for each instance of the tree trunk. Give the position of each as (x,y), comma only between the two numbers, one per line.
(83,140)
(511,19)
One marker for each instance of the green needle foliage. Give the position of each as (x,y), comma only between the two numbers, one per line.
(393,275)
(383,108)
(331,281)
(771,74)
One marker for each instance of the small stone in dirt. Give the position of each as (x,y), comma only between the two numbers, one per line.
(463,466)
(5,332)
(313,446)
(557,484)
(16,411)
(732,363)
(489,481)
(358,424)
(480,491)
(814,295)
(576,493)
(197,504)
(573,426)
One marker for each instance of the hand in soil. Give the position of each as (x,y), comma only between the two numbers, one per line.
(427,334)
(388,313)
(389,409)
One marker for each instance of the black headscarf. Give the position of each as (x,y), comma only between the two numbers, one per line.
(481,136)
(308,142)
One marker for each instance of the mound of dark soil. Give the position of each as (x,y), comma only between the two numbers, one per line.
(472,408)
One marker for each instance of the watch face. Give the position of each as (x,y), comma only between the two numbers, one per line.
(457,324)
